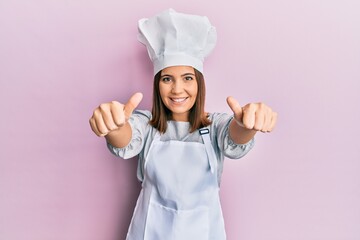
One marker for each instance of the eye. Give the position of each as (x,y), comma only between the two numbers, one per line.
(165,79)
(188,78)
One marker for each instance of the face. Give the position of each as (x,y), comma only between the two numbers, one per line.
(178,90)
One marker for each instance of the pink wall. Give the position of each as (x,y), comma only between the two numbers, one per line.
(60,59)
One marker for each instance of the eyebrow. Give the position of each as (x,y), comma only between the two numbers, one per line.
(182,75)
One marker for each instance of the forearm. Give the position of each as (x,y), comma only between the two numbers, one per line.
(121,137)
(240,135)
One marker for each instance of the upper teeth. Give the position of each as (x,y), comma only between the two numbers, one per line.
(178,99)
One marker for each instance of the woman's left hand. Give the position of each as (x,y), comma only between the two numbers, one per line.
(253,116)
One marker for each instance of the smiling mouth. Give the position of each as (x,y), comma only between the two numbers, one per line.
(179,100)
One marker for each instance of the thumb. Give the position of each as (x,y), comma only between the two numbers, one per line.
(132,104)
(236,108)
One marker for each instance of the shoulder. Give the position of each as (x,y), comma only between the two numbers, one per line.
(219,123)
(140,119)
(144,114)
(216,117)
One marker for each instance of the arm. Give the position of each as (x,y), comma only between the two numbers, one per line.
(120,137)
(111,120)
(250,119)
(240,135)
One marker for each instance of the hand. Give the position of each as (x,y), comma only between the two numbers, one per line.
(112,116)
(254,116)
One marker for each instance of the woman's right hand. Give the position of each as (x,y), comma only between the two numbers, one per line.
(112,116)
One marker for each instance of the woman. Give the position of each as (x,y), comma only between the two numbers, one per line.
(181,148)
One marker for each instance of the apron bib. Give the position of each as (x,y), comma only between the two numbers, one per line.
(179,199)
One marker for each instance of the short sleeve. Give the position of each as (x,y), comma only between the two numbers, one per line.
(139,122)
(225,144)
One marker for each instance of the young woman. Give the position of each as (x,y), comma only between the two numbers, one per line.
(181,148)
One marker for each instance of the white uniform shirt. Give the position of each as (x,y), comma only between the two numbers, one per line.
(143,134)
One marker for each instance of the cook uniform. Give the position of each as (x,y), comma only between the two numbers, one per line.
(180,171)
(180,174)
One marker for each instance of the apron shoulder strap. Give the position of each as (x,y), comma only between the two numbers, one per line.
(205,134)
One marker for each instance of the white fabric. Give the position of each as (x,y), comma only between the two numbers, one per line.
(143,134)
(174,39)
(178,202)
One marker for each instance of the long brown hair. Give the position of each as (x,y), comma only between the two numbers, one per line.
(161,114)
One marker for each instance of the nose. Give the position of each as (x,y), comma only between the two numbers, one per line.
(177,87)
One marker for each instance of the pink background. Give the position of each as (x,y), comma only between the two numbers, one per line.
(61,59)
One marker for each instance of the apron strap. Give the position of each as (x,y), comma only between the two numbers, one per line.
(204,132)
(156,139)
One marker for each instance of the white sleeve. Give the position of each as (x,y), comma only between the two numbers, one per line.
(139,122)
(225,144)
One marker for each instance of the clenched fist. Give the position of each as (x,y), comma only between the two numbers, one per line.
(112,116)
(255,116)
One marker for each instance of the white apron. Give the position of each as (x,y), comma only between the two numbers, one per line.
(179,199)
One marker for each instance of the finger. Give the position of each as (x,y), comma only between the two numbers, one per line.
(117,112)
(236,108)
(107,117)
(249,116)
(273,121)
(132,104)
(267,112)
(100,124)
(94,127)
(267,122)
(259,120)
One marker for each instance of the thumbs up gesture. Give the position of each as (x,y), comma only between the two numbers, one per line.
(112,116)
(254,116)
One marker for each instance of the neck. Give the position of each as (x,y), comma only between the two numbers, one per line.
(180,117)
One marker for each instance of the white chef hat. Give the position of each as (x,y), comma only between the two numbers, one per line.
(174,39)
